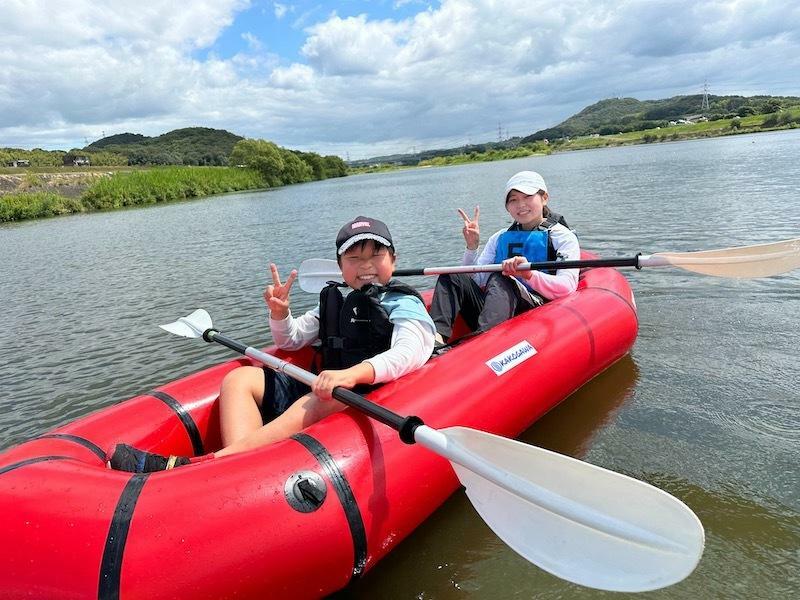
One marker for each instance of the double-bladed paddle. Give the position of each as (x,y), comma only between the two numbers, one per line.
(580,522)
(761,260)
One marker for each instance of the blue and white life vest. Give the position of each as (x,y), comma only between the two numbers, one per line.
(535,245)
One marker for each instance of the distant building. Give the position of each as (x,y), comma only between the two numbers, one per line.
(71,160)
(19,163)
(696,118)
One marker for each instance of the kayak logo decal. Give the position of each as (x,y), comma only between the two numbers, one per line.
(511,358)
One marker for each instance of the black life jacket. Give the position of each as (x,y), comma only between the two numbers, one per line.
(357,327)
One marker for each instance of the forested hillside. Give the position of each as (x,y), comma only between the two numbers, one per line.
(190,146)
(621,115)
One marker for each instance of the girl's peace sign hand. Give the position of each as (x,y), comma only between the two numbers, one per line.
(277,295)
(471,230)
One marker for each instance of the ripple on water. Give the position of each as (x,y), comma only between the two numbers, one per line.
(768,422)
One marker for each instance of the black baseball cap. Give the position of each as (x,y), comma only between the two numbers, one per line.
(362,228)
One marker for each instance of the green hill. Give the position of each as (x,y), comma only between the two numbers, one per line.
(117,140)
(622,115)
(190,146)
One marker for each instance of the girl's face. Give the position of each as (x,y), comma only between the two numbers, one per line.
(365,263)
(526,210)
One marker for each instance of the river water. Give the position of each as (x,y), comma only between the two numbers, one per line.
(705,407)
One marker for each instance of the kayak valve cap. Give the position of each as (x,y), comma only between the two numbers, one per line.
(305,491)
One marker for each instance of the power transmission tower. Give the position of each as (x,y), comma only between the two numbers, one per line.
(499,132)
(705,106)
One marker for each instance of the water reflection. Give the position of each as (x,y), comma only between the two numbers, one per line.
(454,553)
(571,426)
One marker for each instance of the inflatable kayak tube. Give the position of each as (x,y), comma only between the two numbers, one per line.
(300,518)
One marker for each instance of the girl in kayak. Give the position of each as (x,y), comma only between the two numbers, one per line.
(377,333)
(537,234)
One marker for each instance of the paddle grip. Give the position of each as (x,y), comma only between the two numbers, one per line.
(407,272)
(213,335)
(405,426)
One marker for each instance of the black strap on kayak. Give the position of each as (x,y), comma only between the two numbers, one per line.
(346,498)
(186,419)
(68,437)
(31,461)
(111,565)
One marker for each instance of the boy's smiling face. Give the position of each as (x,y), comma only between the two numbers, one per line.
(367,262)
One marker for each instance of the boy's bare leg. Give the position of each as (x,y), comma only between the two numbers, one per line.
(302,413)
(240,397)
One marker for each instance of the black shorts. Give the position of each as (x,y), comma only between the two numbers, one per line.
(280,392)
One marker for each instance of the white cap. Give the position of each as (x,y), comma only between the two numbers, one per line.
(527,182)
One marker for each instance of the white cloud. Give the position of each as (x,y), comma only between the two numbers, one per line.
(253,43)
(354,45)
(280,10)
(296,76)
(401,3)
(367,86)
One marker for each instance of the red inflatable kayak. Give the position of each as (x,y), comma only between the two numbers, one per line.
(300,518)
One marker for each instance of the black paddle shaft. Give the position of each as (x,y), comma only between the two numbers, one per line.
(550,264)
(405,426)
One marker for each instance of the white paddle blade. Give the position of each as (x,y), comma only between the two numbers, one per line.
(761,260)
(315,273)
(191,326)
(577,521)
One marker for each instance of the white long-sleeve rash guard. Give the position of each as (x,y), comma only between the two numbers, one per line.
(411,345)
(564,282)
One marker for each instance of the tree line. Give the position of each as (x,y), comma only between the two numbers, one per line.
(277,165)
(280,166)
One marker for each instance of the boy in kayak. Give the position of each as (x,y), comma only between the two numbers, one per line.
(377,333)
(537,234)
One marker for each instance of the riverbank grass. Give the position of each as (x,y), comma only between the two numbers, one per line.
(131,188)
(168,184)
(33,205)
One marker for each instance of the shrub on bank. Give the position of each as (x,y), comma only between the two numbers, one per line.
(30,205)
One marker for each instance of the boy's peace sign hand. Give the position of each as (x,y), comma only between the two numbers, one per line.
(471,230)
(277,295)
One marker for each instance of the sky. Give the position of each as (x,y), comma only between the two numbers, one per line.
(360,78)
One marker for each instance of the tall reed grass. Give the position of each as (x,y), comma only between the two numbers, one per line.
(132,188)
(32,205)
(167,184)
